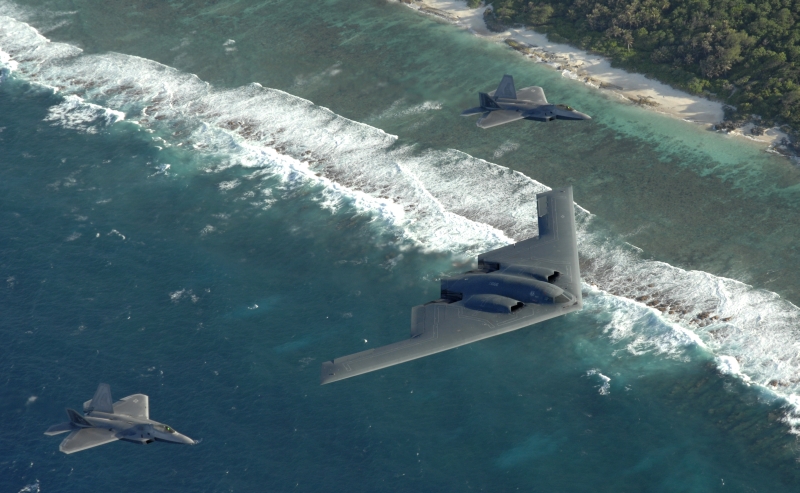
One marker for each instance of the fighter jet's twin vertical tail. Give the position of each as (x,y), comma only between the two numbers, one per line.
(486,102)
(101,401)
(76,419)
(506,88)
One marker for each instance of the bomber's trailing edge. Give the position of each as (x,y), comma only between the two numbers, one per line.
(514,287)
(506,104)
(103,422)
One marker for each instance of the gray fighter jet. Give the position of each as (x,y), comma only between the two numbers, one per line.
(506,104)
(514,287)
(127,419)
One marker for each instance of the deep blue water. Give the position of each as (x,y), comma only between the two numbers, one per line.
(217,243)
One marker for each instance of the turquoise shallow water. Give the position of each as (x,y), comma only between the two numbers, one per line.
(214,245)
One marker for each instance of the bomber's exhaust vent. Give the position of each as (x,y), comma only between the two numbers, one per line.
(451,296)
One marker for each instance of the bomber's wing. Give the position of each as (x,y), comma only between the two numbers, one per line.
(499,117)
(436,327)
(136,405)
(535,94)
(442,325)
(556,246)
(86,438)
(101,400)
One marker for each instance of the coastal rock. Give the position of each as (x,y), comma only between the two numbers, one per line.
(438,13)
(643,100)
(520,47)
(607,85)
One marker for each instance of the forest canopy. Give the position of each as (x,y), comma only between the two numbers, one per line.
(745,53)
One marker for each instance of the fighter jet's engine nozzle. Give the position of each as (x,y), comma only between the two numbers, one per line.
(496,292)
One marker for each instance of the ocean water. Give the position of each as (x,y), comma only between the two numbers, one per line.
(202,201)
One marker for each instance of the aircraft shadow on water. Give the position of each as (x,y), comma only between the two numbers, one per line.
(506,105)
(513,287)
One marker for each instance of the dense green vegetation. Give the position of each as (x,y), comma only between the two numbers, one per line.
(744,52)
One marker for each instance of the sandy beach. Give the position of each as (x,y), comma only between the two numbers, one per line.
(595,70)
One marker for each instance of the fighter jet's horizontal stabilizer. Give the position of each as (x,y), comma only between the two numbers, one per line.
(514,287)
(103,422)
(505,104)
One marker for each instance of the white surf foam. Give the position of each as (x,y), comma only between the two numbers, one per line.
(443,200)
(76,114)
(605,386)
(400,109)
(31,488)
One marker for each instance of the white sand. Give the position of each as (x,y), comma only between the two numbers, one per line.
(596,71)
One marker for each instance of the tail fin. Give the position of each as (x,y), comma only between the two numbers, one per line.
(78,420)
(506,88)
(487,102)
(101,401)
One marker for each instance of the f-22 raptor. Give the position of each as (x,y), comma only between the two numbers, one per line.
(513,287)
(103,422)
(506,104)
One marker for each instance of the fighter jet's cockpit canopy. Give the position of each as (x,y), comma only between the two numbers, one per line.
(164,428)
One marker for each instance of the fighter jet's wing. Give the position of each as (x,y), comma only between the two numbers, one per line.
(556,246)
(136,405)
(86,438)
(499,117)
(534,94)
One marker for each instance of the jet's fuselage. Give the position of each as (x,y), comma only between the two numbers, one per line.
(134,429)
(540,112)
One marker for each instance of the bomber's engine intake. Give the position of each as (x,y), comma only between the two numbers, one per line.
(504,290)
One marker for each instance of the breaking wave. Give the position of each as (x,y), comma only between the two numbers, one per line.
(442,200)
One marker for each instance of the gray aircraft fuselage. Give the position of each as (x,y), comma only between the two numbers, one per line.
(531,110)
(505,104)
(103,422)
(137,430)
(513,287)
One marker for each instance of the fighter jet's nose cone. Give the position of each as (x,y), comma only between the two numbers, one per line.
(184,439)
(584,115)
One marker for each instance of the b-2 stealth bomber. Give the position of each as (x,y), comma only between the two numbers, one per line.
(506,104)
(513,287)
(103,422)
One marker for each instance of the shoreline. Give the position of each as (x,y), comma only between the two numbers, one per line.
(596,71)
